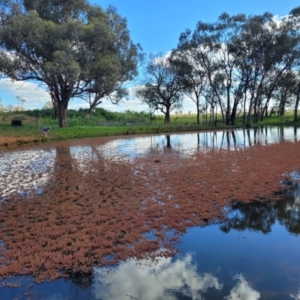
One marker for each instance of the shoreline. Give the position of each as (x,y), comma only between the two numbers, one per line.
(58,134)
(11,137)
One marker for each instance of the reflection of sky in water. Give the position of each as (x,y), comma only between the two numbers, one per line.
(242,290)
(243,263)
(189,143)
(147,280)
(166,279)
(296,296)
(24,170)
(212,264)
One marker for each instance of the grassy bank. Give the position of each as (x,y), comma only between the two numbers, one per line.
(129,123)
(28,134)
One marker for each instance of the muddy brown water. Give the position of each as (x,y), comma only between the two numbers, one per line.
(212,215)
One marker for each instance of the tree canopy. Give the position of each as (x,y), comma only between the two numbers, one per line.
(241,62)
(163,88)
(74,48)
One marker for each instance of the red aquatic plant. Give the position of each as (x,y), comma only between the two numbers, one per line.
(111,210)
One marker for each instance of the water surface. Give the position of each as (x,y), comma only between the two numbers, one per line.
(252,254)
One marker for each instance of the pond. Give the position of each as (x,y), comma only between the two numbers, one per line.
(210,215)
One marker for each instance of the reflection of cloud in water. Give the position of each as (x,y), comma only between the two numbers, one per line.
(83,154)
(297,296)
(23,170)
(242,291)
(127,149)
(140,146)
(189,143)
(147,280)
(56,296)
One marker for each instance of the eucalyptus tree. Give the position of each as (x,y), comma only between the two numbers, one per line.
(242,58)
(293,27)
(113,71)
(162,88)
(285,92)
(199,66)
(281,60)
(210,44)
(264,54)
(71,47)
(226,29)
(192,74)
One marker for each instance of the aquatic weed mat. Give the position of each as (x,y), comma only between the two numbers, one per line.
(76,208)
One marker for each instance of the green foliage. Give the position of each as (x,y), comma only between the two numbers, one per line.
(126,123)
(74,48)
(241,63)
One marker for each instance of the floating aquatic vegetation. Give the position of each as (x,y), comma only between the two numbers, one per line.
(101,214)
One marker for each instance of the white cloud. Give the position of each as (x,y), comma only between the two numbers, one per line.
(163,58)
(34,94)
(297,296)
(242,291)
(150,280)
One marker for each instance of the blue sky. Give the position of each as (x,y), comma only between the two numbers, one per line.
(156,25)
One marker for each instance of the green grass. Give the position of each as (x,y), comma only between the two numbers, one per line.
(76,132)
(78,129)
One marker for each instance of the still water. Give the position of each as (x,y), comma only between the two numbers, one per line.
(253,254)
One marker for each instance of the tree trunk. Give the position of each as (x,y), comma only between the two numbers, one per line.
(297,104)
(283,103)
(227,116)
(281,109)
(89,112)
(55,110)
(244,112)
(55,106)
(198,111)
(249,113)
(167,116)
(255,112)
(62,113)
(233,113)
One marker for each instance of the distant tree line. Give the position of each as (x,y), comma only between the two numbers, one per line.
(240,65)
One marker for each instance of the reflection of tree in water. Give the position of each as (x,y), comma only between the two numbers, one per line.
(79,219)
(90,214)
(289,211)
(260,216)
(168,141)
(255,216)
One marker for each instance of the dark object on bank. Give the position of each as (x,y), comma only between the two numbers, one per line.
(16,123)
